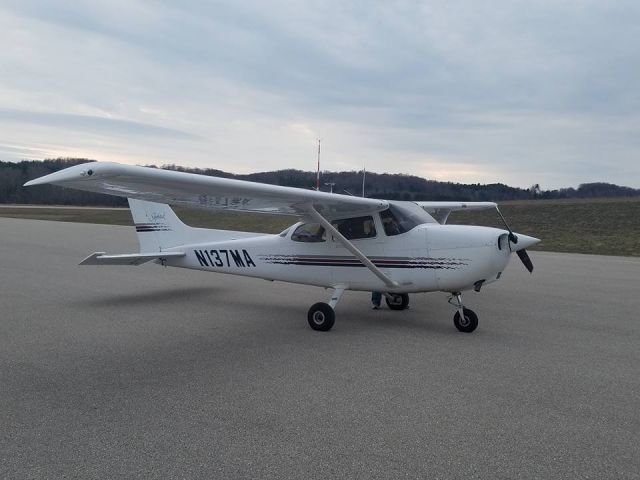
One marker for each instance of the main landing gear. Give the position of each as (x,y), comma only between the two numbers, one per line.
(397,301)
(322,315)
(465,319)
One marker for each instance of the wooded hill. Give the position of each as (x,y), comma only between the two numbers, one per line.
(389,186)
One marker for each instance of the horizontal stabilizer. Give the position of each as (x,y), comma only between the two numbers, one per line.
(100,258)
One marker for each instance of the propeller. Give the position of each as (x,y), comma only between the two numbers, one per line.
(526,242)
(526,261)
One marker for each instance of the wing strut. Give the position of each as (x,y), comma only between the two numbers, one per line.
(349,246)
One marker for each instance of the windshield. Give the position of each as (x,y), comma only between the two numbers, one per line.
(309,232)
(401,217)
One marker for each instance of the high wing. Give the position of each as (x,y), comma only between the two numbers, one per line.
(192,190)
(440,210)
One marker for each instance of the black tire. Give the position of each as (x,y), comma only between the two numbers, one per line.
(401,301)
(321,317)
(470,322)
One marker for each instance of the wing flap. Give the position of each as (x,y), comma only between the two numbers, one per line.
(100,258)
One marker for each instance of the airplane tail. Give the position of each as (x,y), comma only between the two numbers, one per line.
(157,226)
(160,229)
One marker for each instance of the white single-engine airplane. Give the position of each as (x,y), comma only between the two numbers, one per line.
(340,242)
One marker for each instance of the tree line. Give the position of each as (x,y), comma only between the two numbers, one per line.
(384,185)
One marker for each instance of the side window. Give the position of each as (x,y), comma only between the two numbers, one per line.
(309,232)
(355,228)
(391,223)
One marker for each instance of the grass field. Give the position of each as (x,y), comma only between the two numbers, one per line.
(597,226)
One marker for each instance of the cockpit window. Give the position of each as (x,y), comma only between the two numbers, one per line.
(356,228)
(399,219)
(309,232)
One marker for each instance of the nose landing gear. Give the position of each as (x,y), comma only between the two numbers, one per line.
(465,319)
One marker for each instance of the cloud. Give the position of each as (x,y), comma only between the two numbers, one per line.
(102,125)
(522,92)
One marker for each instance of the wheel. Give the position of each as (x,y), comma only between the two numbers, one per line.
(399,301)
(467,324)
(321,317)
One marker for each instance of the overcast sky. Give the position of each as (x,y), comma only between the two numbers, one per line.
(495,91)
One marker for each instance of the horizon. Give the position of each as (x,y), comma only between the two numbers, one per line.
(337,172)
(328,172)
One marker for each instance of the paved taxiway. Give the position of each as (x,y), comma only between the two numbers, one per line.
(152,372)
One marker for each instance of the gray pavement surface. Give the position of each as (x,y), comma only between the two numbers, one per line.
(147,372)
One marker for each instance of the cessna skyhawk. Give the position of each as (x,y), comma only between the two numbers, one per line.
(340,242)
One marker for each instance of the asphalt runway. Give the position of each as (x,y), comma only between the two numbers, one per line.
(150,372)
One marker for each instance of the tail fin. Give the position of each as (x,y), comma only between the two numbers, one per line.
(157,226)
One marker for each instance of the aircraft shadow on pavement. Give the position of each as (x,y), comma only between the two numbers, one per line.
(165,296)
(350,319)
(412,320)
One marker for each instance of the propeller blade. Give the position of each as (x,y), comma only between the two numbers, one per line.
(526,261)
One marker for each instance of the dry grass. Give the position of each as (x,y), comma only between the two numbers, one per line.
(120,216)
(598,226)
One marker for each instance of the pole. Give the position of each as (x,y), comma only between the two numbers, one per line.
(318,173)
(364,172)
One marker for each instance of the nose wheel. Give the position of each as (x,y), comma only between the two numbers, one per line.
(467,322)
(465,319)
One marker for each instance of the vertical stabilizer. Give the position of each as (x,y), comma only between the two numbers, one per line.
(157,226)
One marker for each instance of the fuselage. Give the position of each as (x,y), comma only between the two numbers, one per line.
(429,257)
